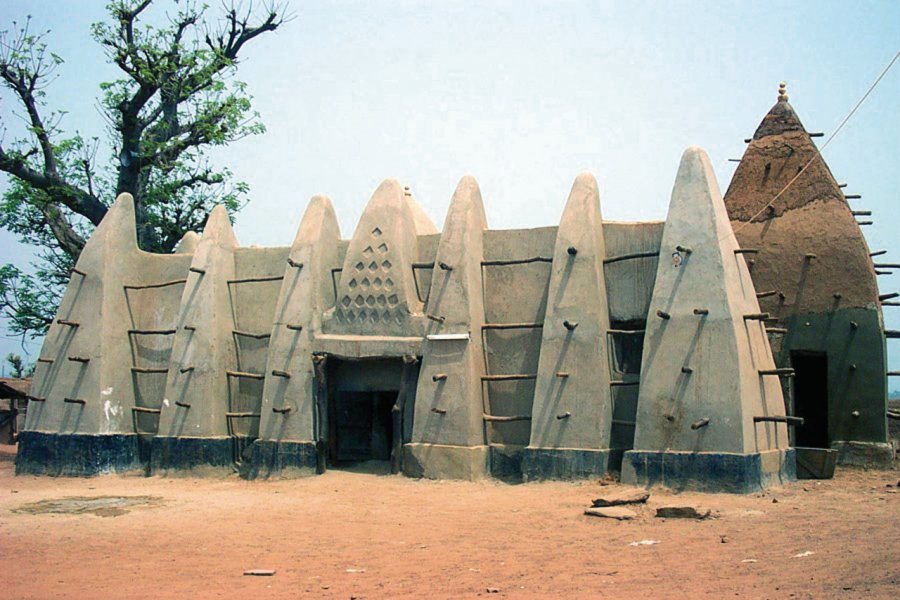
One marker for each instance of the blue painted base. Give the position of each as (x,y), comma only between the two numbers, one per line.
(710,472)
(506,462)
(563,463)
(185,453)
(279,459)
(76,454)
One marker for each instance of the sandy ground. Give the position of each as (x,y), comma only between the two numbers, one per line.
(357,535)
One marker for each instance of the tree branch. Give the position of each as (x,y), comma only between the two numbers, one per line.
(74,198)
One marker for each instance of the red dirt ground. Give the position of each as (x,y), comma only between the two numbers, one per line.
(354,535)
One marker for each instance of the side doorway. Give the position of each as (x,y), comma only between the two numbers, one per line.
(811,398)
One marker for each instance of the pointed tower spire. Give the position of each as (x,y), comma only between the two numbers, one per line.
(193,426)
(448,431)
(571,416)
(812,262)
(287,444)
(707,371)
(83,381)
(377,291)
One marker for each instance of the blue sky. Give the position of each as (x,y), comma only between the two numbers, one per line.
(525,95)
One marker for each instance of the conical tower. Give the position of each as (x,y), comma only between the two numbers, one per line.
(193,428)
(710,410)
(814,272)
(100,376)
(291,424)
(571,418)
(448,438)
(376,294)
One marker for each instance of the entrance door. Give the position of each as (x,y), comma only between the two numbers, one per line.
(364,425)
(811,399)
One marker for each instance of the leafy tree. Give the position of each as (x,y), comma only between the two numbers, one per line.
(177,97)
(17,366)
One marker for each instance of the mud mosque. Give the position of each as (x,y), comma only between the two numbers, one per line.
(725,349)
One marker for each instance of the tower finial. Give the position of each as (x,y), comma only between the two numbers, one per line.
(782,92)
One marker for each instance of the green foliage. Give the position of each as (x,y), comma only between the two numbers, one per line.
(177,96)
(17,366)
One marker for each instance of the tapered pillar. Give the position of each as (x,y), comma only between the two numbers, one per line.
(571,417)
(80,419)
(194,429)
(290,422)
(376,294)
(448,438)
(710,400)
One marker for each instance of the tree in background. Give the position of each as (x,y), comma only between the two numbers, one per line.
(176,98)
(17,368)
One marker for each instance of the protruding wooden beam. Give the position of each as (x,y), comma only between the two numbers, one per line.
(505,419)
(155,285)
(250,334)
(256,279)
(633,255)
(511,325)
(244,374)
(510,377)
(779,372)
(779,419)
(152,331)
(518,261)
(757,316)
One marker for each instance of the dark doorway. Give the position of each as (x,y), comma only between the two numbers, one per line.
(369,409)
(811,399)
(363,425)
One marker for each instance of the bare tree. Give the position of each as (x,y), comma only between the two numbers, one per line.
(176,98)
